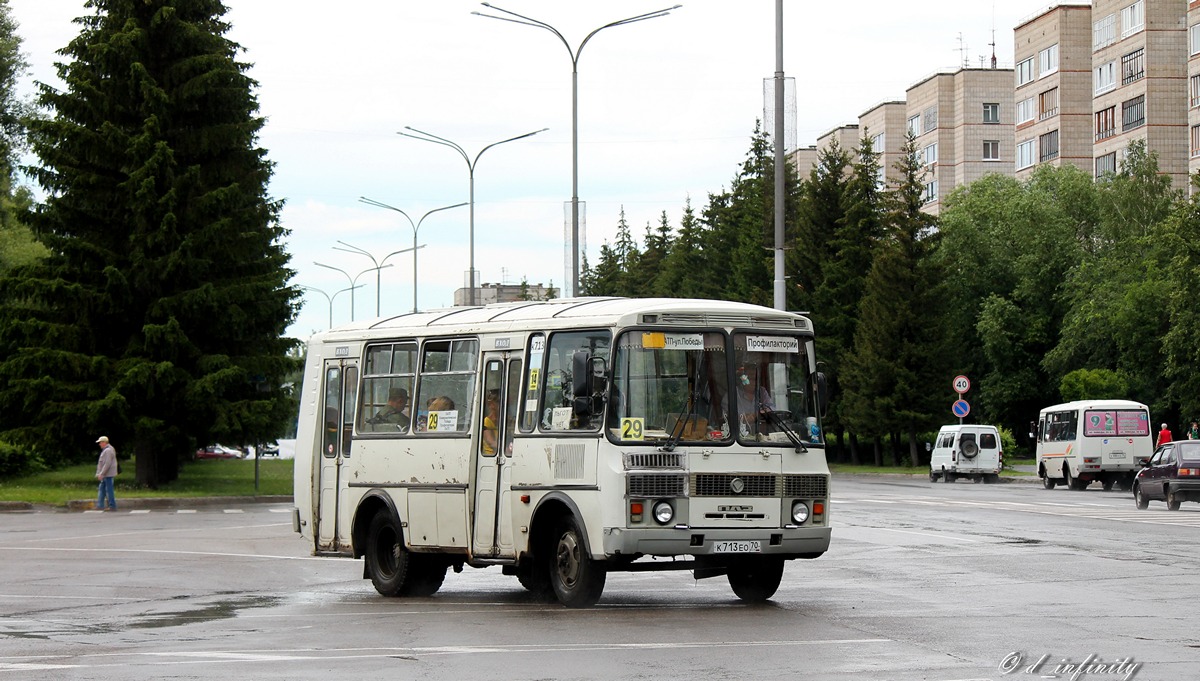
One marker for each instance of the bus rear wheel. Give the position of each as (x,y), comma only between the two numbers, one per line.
(757,578)
(424,576)
(1048,482)
(577,580)
(387,559)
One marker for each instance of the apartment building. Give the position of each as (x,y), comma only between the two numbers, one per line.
(1140,83)
(884,123)
(1193,67)
(963,126)
(1053,89)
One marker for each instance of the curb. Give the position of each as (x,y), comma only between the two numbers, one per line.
(134,503)
(924,477)
(15,506)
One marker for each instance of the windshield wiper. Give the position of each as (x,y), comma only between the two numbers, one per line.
(781,419)
(681,425)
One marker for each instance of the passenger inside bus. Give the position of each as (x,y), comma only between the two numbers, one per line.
(753,402)
(491,422)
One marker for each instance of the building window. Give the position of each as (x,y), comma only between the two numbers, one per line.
(1048,61)
(1106,77)
(1104,32)
(1133,19)
(931,191)
(1026,111)
(1048,146)
(1195,90)
(929,154)
(1106,123)
(914,126)
(991,150)
(929,118)
(1133,66)
(878,143)
(1048,104)
(1025,72)
(1133,113)
(1106,164)
(1195,141)
(1025,153)
(1195,39)
(991,113)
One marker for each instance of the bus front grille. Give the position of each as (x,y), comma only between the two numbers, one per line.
(734,485)
(806,486)
(656,485)
(634,460)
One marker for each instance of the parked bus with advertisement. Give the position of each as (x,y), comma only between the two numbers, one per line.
(565,439)
(1092,440)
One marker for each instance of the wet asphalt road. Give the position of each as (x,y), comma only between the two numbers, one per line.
(939,582)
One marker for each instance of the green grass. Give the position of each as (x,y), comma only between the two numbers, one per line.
(923,471)
(204,478)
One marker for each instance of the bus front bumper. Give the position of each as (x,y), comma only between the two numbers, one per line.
(800,542)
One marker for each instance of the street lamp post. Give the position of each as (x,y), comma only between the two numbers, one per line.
(427,137)
(378,264)
(353,280)
(328,298)
(415,228)
(574,54)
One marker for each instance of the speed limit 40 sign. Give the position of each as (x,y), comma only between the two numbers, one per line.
(961,384)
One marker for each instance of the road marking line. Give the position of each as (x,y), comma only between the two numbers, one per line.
(185,510)
(234,510)
(139,511)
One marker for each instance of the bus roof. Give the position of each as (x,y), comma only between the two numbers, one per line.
(1096,404)
(572,312)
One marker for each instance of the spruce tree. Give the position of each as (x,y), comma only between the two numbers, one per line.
(686,268)
(158,318)
(17,245)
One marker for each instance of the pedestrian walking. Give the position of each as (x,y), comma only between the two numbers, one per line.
(106,471)
(1194,431)
(1164,436)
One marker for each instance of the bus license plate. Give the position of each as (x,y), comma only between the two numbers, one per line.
(1116,455)
(737,547)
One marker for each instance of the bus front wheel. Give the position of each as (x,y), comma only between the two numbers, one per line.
(1047,481)
(577,580)
(756,579)
(387,559)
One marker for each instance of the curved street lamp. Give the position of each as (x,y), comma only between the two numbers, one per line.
(415,227)
(328,298)
(353,280)
(378,264)
(428,137)
(574,54)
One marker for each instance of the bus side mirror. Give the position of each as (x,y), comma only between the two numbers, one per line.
(581,374)
(822,393)
(1032,430)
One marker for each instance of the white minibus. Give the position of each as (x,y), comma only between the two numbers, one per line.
(1092,440)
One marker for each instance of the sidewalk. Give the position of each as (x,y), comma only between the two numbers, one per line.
(136,503)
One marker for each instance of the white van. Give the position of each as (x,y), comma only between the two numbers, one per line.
(966,451)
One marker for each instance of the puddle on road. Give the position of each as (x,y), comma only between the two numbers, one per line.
(220,610)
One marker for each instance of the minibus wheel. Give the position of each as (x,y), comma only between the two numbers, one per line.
(755,579)
(424,576)
(386,558)
(577,580)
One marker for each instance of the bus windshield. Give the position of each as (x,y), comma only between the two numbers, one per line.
(669,385)
(676,386)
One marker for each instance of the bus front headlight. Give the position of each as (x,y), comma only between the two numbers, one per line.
(799,512)
(663,512)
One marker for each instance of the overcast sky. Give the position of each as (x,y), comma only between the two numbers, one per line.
(666,110)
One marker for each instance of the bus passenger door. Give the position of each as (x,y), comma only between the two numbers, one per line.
(492,497)
(337,423)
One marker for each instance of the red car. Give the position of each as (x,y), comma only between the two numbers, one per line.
(218,451)
(1172,475)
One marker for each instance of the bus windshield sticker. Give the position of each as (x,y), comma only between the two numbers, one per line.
(632,429)
(653,340)
(561,418)
(772,344)
(684,341)
(442,421)
(533,380)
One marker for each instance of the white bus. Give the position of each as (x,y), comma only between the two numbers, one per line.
(1092,440)
(565,439)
